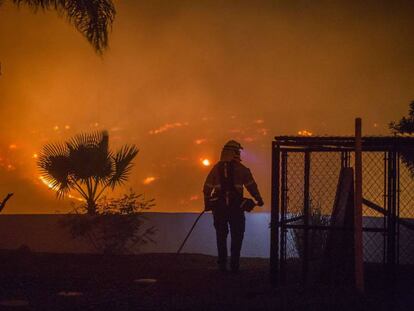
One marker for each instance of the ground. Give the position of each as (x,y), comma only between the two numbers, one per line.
(183,282)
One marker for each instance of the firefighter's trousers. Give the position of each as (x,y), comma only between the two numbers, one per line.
(223,217)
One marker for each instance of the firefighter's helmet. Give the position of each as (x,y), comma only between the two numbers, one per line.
(231,151)
(233,145)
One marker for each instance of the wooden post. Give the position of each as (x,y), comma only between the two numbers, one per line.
(359,259)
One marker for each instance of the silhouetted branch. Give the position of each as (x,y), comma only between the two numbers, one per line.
(3,204)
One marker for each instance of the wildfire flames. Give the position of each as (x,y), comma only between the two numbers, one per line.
(305,133)
(148,180)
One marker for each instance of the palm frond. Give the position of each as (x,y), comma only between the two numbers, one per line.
(90,156)
(87,139)
(123,165)
(92,18)
(55,168)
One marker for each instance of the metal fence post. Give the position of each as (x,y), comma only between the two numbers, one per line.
(283,229)
(392,212)
(359,260)
(274,216)
(306,213)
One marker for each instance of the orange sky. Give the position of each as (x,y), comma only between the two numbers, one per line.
(181,78)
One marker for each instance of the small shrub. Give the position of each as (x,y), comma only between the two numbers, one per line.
(317,238)
(117,227)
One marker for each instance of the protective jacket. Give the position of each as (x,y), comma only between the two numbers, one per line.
(233,192)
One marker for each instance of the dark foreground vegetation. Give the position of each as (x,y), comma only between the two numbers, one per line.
(184,282)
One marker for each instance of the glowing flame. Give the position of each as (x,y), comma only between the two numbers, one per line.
(35,156)
(167,127)
(148,180)
(305,133)
(206,162)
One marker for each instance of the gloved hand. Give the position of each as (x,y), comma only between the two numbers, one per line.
(260,202)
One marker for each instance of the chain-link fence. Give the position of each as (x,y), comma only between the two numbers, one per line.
(305,187)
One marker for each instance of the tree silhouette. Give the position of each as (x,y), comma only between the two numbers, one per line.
(86,165)
(406,127)
(406,124)
(92,18)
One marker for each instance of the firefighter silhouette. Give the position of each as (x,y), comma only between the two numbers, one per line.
(223,195)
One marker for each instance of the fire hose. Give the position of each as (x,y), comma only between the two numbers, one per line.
(189,232)
(247,205)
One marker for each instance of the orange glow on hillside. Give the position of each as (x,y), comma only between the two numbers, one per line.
(167,127)
(148,180)
(305,133)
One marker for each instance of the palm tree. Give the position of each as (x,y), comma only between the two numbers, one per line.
(86,165)
(92,18)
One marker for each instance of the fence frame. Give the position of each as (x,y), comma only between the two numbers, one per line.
(282,146)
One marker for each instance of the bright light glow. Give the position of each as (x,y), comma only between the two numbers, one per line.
(35,156)
(75,198)
(56,128)
(148,180)
(44,181)
(200,141)
(12,146)
(206,162)
(305,133)
(50,186)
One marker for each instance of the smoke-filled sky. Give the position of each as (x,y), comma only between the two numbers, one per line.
(182,77)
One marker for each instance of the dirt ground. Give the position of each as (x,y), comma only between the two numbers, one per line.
(183,282)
